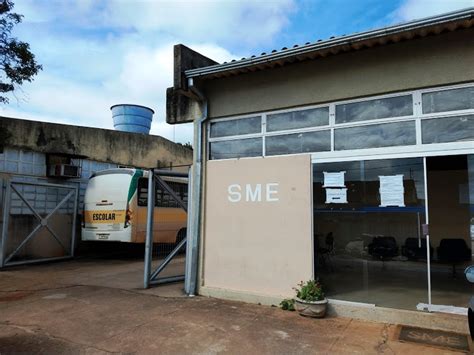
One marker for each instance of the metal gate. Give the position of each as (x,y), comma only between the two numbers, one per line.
(38,222)
(163,193)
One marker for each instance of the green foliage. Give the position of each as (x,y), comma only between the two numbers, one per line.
(17,63)
(311,291)
(186,145)
(288,304)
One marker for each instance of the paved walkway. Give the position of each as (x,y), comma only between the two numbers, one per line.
(95,319)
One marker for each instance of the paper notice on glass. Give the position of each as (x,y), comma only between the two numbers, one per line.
(336,195)
(334,179)
(394,199)
(391,182)
(392,191)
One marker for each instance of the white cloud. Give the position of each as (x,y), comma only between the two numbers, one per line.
(142,78)
(246,21)
(59,100)
(225,20)
(147,72)
(96,54)
(416,9)
(145,75)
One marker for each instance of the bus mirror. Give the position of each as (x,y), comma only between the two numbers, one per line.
(469,272)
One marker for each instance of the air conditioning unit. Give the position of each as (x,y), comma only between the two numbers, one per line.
(64,170)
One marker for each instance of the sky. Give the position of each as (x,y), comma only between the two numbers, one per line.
(97,53)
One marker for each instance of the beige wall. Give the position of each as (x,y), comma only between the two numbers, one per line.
(260,247)
(432,61)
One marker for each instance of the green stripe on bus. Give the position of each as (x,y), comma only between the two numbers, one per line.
(134,183)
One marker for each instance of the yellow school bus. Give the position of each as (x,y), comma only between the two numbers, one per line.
(115,208)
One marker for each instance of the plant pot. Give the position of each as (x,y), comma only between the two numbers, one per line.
(315,309)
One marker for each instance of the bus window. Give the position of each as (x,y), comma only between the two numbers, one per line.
(142,192)
(162,197)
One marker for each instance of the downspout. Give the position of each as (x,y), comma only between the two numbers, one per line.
(194,233)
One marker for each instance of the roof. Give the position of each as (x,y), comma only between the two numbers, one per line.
(392,34)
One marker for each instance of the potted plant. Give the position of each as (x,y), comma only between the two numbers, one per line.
(310,300)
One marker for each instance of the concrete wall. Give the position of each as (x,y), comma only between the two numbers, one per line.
(104,145)
(425,62)
(262,246)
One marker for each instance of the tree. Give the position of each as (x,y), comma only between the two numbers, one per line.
(186,145)
(17,63)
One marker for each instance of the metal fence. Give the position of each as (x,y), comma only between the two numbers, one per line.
(38,222)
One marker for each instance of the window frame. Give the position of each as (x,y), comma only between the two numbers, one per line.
(235,119)
(418,116)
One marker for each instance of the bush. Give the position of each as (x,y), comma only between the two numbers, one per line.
(310,291)
(288,304)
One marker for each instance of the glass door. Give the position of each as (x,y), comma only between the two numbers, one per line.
(450,188)
(369,242)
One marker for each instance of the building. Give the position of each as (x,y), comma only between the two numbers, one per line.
(49,166)
(349,159)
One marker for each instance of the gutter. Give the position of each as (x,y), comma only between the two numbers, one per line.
(466,14)
(195,196)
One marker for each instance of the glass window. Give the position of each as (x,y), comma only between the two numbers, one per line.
(142,192)
(298,119)
(374,109)
(448,129)
(236,127)
(319,141)
(238,148)
(365,251)
(375,136)
(448,100)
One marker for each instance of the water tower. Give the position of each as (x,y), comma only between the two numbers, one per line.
(132,118)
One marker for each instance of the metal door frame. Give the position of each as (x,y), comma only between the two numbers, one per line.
(433,307)
(424,155)
(43,222)
(427,235)
(150,278)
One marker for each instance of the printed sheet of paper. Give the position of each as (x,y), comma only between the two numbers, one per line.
(392,191)
(334,179)
(336,195)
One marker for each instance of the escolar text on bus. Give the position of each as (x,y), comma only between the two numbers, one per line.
(103,217)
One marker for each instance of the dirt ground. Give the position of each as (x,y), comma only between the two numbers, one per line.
(92,307)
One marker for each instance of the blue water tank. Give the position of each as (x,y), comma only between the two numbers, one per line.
(132,118)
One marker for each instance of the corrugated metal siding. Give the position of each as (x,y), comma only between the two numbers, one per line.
(29,166)
(16,161)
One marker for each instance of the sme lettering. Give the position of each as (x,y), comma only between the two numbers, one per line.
(253,193)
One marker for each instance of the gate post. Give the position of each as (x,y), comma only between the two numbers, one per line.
(192,251)
(6,214)
(74,221)
(149,228)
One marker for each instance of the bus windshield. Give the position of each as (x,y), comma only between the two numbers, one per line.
(108,187)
